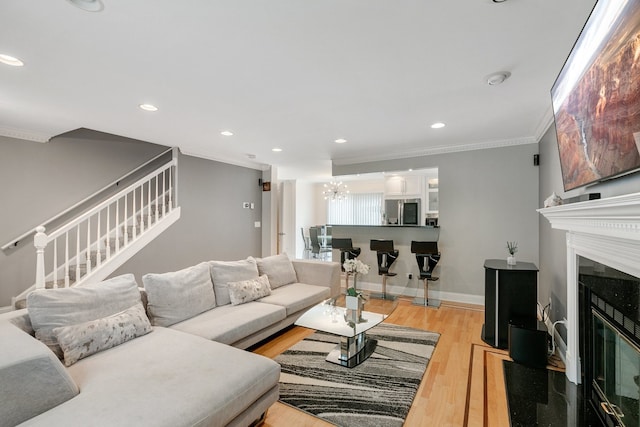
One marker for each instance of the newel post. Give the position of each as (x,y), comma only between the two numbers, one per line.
(40,242)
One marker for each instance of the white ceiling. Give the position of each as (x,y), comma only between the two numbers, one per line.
(294,74)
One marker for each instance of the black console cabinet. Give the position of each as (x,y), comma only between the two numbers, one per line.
(510,295)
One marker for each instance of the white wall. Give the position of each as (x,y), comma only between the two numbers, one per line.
(487,197)
(305,215)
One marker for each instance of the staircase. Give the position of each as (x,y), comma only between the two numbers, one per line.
(93,245)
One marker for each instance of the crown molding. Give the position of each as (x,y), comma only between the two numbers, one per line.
(544,124)
(28,135)
(436,150)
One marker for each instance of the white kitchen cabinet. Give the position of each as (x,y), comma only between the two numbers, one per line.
(403,186)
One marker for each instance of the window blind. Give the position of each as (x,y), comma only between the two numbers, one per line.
(356,209)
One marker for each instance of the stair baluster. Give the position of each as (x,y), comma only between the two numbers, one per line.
(117,225)
(66,259)
(87,268)
(40,242)
(98,255)
(157,197)
(77,253)
(87,253)
(108,246)
(55,264)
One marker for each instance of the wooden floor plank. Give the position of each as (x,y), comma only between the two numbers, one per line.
(443,398)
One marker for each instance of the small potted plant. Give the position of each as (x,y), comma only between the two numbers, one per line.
(512,247)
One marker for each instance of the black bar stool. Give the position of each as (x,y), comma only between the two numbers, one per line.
(427,256)
(386,257)
(347,251)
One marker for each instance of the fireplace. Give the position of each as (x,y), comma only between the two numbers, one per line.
(609,329)
(603,239)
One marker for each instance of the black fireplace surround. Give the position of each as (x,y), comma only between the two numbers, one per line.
(609,342)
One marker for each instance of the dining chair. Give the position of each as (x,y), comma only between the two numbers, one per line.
(317,249)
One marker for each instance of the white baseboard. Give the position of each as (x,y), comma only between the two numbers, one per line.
(419,293)
(561,346)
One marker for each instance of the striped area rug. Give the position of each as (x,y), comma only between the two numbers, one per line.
(377,393)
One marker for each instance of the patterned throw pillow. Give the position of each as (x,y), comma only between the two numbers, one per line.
(84,339)
(249,290)
(224,272)
(54,308)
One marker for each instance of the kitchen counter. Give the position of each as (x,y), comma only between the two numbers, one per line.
(386,225)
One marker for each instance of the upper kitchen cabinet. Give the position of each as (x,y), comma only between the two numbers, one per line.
(403,186)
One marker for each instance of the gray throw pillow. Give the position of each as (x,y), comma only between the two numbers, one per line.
(84,339)
(179,295)
(223,272)
(53,308)
(249,290)
(278,269)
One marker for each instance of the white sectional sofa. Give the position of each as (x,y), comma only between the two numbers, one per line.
(183,365)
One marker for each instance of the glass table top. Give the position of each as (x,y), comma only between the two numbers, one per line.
(329,315)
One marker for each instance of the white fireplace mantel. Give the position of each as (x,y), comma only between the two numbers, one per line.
(606,231)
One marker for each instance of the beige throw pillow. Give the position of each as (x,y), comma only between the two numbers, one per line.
(223,272)
(52,308)
(84,339)
(249,290)
(279,269)
(179,295)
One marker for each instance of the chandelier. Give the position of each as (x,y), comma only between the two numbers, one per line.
(335,191)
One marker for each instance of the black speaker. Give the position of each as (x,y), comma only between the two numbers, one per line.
(528,346)
(536,159)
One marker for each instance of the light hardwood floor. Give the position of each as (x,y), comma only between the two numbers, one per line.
(463,383)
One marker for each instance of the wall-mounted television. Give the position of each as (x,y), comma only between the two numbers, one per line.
(596,97)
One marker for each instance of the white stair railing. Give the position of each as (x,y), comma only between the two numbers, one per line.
(76,251)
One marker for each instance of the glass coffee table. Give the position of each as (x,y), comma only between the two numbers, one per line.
(355,347)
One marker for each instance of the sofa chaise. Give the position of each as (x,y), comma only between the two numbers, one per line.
(169,354)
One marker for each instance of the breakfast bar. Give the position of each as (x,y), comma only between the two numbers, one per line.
(406,264)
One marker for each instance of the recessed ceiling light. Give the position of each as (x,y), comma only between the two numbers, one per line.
(437,125)
(277,150)
(340,141)
(10,60)
(148,107)
(226,133)
(88,5)
(497,78)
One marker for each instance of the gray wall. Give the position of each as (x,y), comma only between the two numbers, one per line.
(213,223)
(487,197)
(41,180)
(553,254)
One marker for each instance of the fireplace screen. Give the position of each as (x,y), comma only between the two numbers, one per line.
(616,374)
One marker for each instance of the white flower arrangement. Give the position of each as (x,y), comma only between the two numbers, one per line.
(352,266)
